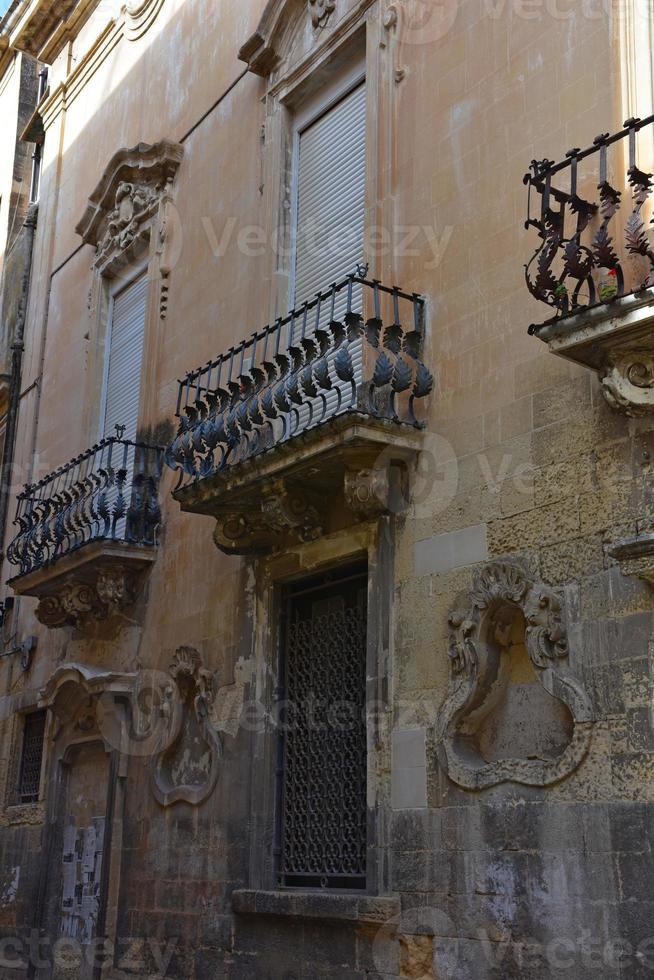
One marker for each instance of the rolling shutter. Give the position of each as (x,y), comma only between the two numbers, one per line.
(125,359)
(331,208)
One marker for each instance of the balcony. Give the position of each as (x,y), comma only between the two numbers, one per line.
(309,425)
(594,265)
(87,532)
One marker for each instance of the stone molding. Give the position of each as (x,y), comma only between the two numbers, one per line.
(186,711)
(140,15)
(475,643)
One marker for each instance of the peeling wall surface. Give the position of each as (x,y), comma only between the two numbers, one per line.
(508,679)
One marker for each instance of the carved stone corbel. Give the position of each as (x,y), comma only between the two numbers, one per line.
(287,508)
(76,603)
(628,382)
(186,765)
(482,626)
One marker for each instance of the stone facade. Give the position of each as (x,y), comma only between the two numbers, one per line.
(508,542)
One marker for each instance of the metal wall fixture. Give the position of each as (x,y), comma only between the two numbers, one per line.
(319,361)
(109,492)
(579,263)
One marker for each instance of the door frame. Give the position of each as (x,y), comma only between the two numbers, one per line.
(373,542)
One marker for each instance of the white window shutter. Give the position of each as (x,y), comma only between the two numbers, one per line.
(126,335)
(331,211)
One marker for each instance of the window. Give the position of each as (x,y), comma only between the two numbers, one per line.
(322,822)
(29,777)
(329,203)
(330,192)
(126,330)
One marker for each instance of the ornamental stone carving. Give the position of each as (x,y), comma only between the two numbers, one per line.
(132,210)
(186,765)
(628,383)
(77,603)
(514,711)
(320,11)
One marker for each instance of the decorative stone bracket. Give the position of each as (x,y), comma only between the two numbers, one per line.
(616,341)
(87,585)
(502,596)
(133,205)
(333,476)
(186,765)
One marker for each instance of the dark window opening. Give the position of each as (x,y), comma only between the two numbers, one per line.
(322,814)
(31,757)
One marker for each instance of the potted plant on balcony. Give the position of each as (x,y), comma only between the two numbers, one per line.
(608,285)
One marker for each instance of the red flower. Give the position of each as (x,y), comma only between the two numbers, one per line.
(613,272)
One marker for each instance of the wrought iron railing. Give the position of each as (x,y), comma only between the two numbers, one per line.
(580,261)
(320,361)
(109,492)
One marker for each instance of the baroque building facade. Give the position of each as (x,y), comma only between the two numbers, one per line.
(387,711)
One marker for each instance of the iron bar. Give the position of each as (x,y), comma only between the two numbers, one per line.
(88,499)
(320,368)
(582,267)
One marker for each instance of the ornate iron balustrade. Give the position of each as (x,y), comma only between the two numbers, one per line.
(319,361)
(580,262)
(108,492)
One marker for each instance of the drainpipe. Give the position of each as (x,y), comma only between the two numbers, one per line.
(17,349)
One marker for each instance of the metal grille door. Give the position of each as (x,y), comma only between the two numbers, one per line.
(323,773)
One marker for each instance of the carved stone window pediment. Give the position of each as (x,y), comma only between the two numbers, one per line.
(267,47)
(131,206)
(505,609)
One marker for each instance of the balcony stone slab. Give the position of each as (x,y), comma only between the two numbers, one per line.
(92,582)
(616,340)
(355,908)
(350,469)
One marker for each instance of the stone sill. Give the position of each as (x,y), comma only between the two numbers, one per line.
(81,561)
(317,905)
